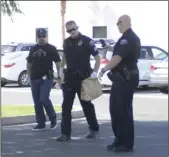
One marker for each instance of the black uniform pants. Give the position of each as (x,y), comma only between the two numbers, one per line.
(121,110)
(69,92)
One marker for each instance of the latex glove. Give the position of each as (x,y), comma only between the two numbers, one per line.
(61,72)
(93,75)
(101,74)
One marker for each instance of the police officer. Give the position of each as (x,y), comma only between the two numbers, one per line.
(125,76)
(40,70)
(77,51)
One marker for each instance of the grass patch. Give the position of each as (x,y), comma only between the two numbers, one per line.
(21,110)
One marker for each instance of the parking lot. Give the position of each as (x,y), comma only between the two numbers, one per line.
(151,125)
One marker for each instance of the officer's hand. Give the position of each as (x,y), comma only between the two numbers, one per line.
(93,75)
(101,75)
(58,82)
(61,71)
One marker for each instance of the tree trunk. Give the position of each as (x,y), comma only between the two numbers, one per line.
(63,11)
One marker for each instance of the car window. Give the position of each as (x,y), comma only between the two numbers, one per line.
(8,48)
(26,48)
(158,54)
(144,53)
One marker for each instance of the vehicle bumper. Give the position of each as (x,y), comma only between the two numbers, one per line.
(158,80)
(6,75)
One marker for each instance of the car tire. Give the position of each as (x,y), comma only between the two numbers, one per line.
(3,83)
(164,90)
(23,80)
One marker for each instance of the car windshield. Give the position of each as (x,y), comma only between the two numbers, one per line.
(7,48)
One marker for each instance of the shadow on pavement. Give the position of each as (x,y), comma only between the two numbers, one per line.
(151,140)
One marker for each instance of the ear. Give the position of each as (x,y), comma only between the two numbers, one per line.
(77,27)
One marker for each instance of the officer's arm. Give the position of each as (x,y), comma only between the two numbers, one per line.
(29,59)
(122,51)
(56,59)
(94,52)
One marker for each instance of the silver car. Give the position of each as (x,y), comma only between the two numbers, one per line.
(159,75)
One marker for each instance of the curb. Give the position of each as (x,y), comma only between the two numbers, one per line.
(7,121)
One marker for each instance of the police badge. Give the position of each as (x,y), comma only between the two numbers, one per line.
(80,43)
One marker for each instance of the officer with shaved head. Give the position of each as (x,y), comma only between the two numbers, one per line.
(125,77)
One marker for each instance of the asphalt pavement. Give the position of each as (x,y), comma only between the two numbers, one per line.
(151,140)
(151,128)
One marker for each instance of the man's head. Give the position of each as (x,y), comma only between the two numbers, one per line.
(42,36)
(124,23)
(72,29)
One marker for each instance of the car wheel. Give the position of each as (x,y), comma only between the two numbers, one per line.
(164,90)
(3,83)
(24,80)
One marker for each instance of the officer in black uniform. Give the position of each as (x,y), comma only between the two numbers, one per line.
(125,77)
(77,51)
(40,70)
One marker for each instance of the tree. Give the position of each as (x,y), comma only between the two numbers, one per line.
(63,11)
(10,7)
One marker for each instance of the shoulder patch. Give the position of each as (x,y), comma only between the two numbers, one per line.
(123,42)
(92,43)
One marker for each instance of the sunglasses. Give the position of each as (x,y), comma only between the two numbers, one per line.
(119,22)
(71,30)
(41,36)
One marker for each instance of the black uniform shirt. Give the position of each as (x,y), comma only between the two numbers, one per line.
(41,57)
(128,47)
(77,52)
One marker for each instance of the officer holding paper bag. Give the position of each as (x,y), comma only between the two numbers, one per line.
(77,51)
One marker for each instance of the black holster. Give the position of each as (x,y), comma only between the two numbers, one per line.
(50,75)
(111,76)
(77,74)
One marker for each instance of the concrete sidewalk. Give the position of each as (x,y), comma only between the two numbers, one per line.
(151,140)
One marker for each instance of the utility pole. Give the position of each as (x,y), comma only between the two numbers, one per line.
(63,11)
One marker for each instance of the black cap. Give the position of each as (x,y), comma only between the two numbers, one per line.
(41,32)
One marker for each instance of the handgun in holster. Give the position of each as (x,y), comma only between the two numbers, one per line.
(82,74)
(50,74)
(112,76)
(126,73)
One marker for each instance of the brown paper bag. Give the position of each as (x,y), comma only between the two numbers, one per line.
(90,89)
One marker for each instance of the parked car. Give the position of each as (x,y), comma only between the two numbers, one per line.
(159,75)
(13,69)
(148,55)
(15,47)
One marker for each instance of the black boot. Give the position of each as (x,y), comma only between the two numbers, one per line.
(92,134)
(63,137)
